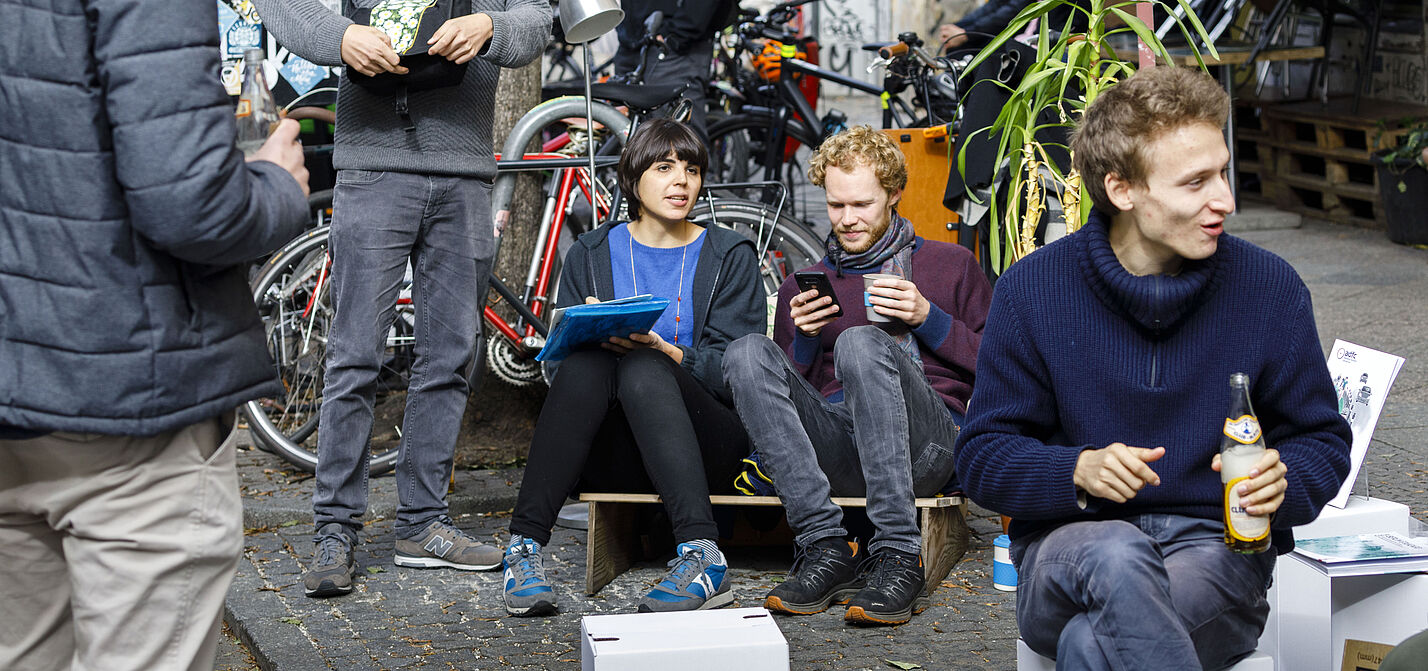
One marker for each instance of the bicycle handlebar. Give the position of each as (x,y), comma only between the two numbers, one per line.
(893,50)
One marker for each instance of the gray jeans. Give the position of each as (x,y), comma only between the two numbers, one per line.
(889,440)
(382,220)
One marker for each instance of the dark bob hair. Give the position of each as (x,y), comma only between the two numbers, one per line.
(653,141)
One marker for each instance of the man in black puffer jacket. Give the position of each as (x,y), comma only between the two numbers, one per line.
(127,333)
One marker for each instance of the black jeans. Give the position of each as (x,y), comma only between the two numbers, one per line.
(632,423)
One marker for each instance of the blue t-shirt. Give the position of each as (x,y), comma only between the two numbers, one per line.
(667,272)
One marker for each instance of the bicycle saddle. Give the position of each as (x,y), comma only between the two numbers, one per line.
(646,97)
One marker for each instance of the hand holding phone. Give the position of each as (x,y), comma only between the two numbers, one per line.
(810,280)
(811,319)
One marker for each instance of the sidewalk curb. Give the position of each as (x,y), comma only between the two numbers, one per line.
(483,491)
(259,625)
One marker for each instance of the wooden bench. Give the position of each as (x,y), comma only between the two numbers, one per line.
(612,539)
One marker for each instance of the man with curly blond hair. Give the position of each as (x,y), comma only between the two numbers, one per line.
(842,405)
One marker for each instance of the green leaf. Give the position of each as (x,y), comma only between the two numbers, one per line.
(291,620)
(902,665)
(1402,188)
(374,570)
(289,523)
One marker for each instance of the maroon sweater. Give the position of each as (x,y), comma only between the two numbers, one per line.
(959,294)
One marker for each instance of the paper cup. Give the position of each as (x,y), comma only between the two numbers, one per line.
(1003,572)
(873,315)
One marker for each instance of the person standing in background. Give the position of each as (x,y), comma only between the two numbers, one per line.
(687,35)
(414,173)
(127,332)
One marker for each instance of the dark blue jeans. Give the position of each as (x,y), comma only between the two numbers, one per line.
(380,222)
(889,440)
(1150,592)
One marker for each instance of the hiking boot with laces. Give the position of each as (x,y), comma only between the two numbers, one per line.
(693,583)
(442,545)
(527,592)
(824,573)
(332,568)
(893,591)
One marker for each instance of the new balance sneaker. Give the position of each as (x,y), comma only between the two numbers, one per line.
(444,546)
(696,581)
(824,573)
(332,566)
(893,591)
(528,593)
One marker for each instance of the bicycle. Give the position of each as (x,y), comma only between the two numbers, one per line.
(774,128)
(291,288)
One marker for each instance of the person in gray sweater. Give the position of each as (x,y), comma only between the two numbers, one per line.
(412,188)
(127,330)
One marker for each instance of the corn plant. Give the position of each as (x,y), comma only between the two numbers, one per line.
(1070,71)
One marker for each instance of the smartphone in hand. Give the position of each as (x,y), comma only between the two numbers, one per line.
(808,280)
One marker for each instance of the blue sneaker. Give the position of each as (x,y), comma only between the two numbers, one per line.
(693,583)
(527,593)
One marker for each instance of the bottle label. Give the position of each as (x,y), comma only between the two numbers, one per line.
(1244,430)
(1240,524)
(245,108)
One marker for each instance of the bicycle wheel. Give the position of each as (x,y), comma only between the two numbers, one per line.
(292,296)
(738,152)
(787,245)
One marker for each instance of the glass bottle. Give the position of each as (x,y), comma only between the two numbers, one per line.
(257,112)
(1241,448)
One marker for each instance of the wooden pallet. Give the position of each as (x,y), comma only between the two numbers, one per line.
(1317,159)
(612,541)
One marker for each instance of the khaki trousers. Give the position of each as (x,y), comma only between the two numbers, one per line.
(116,552)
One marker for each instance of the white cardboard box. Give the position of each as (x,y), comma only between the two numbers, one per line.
(746,639)
(1360,516)
(1312,614)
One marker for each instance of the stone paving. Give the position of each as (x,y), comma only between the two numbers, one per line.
(1365,289)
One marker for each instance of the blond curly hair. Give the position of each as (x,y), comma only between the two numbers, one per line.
(860,145)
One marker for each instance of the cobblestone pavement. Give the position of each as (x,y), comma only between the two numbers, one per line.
(1365,289)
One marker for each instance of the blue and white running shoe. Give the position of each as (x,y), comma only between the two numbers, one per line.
(693,583)
(527,592)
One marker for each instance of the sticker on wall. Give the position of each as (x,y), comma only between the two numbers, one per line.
(302,74)
(243,35)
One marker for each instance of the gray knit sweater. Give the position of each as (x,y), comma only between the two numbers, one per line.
(453,124)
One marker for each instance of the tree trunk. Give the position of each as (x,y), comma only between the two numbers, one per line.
(499,417)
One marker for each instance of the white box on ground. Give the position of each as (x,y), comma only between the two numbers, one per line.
(747,639)
(1312,614)
(1360,516)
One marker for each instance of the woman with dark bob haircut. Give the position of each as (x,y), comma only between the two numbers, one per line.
(647,412)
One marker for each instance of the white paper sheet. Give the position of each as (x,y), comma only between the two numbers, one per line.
(1362,377)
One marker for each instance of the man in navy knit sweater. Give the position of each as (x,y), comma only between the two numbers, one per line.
(1102,388)
(837,406)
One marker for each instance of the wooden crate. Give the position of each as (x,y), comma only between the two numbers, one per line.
(1315,159)
(612,541)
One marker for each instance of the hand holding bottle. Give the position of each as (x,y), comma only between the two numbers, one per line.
(283,148)
(1263,493)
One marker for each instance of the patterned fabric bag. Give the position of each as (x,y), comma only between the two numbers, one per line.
(410,23)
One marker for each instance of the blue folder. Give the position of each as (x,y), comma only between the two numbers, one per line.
(597,322)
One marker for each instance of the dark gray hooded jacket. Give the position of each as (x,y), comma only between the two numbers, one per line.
(123,209)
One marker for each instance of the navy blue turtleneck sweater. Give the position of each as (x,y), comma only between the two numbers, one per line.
(1078,354)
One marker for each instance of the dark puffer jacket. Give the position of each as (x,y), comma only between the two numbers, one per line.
(123,209)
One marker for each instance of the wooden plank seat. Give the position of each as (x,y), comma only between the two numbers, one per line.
(612,540)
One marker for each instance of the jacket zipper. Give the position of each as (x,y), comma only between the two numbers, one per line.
(1155,345)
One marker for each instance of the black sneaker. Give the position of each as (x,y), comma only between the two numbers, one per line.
(332,567)
(893,592)
(824,573)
